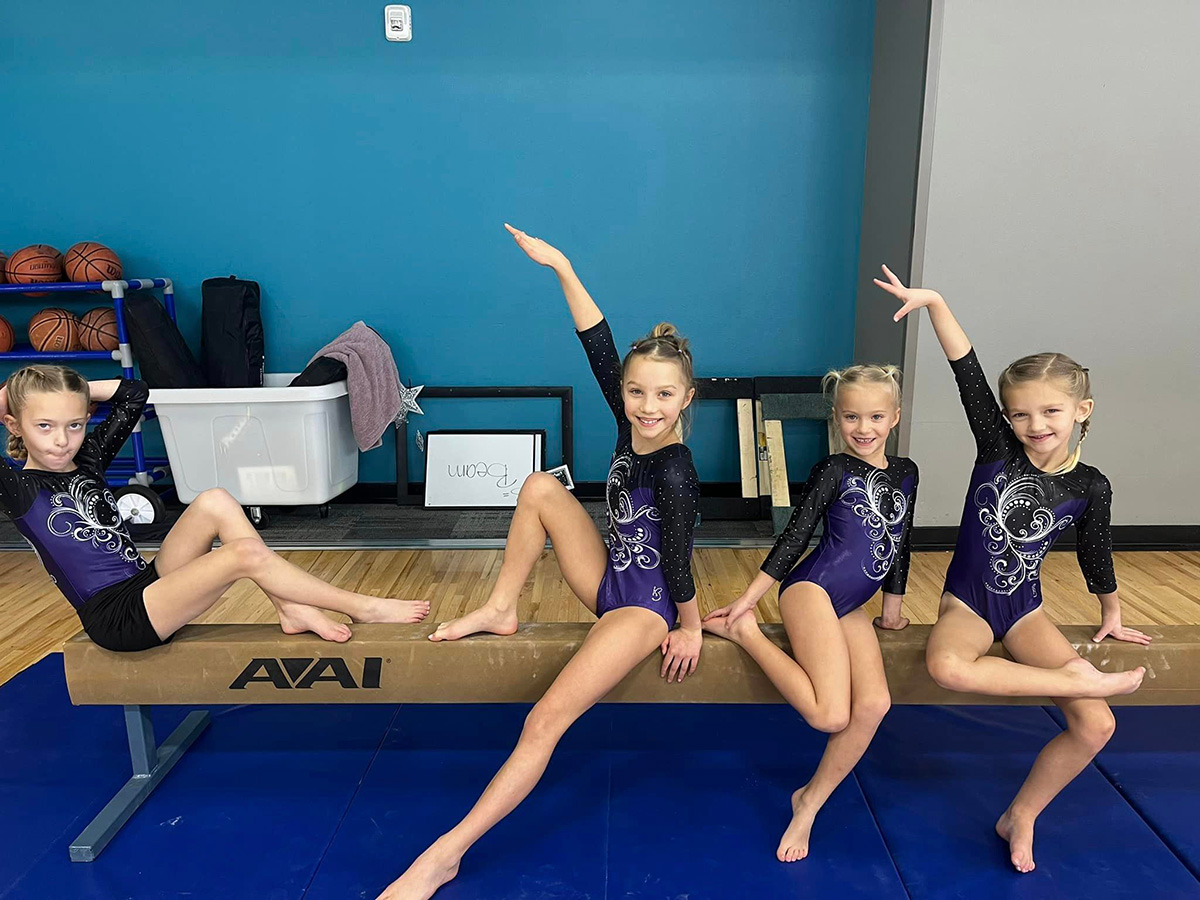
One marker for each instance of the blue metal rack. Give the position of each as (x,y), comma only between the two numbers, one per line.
(140,469)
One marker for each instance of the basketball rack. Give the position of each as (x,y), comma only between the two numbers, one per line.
(138,469)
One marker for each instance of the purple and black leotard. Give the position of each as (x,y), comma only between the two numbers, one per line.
(652,504)
(1014,512)
(868,515)
(71,521)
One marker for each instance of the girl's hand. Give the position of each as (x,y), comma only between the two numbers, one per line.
(1110,626)
(912,298)
(538,250)
(734,610)
(681,653)
(894,622)
(891,620)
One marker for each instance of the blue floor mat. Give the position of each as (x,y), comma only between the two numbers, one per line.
(937,779)
(705,825)
(247,812)
(1153,761)
(640,802)
(427,777)
(58,764)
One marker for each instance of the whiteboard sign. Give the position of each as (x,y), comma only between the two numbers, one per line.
(480,468)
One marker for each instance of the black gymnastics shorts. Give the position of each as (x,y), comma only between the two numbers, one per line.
(115,618)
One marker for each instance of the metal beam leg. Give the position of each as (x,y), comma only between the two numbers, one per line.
(149,768)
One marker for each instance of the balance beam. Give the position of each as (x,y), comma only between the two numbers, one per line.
(236,664)
(239,664)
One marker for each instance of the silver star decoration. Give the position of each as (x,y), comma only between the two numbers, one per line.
(408,403)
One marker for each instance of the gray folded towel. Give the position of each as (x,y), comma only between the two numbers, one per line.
(372,381)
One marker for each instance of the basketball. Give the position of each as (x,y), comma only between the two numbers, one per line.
(34,264)
(89,261)
(3,263)
(7,337)
(98,329)
(54,331)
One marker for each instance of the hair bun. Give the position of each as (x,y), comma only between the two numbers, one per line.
(664,333)
(664,330)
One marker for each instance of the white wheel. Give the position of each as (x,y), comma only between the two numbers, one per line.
(139,505)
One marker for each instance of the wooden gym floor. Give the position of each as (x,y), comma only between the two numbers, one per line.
(1157,588)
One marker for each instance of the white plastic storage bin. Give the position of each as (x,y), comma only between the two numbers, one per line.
(269,446)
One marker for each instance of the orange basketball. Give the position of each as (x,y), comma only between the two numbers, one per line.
(34,264)
(54,331)
(89,261)
(98,329)
(3,263)
(7,337)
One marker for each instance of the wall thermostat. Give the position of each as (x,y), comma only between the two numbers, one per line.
(397,22)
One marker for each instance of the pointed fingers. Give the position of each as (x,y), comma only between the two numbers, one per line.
(889,287)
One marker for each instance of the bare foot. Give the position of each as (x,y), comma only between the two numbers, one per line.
(743,628)
(295,618)
(1094,683)
(486,618)
(793,846)
(401,612)
(1019,834)
(429,871)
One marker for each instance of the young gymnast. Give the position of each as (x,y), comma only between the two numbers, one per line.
(637,586)
(1026,487)
(865,499)
(61,504)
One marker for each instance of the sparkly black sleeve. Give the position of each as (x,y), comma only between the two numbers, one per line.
(677,496)
(821,489)
(896,580)
(125,408)
(10,490)
(993,437)
(1094,538)
(602,356)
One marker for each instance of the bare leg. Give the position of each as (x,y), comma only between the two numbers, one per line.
(1036,641)
(295,593)
(193,576)
(544,509)
(956,659)
(211,516)
(614,646)
(817,682)
(869,703)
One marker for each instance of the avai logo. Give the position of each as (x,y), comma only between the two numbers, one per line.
(301,673)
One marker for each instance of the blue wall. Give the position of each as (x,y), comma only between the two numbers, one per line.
(699,162)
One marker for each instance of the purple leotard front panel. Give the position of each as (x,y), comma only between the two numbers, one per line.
(79,537)
(635,576)
(1010,520)
(864,531)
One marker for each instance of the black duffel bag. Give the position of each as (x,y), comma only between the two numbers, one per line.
(231,336)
